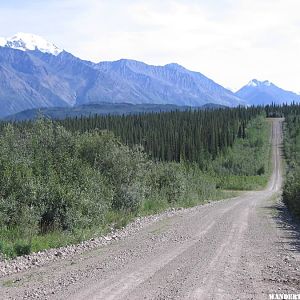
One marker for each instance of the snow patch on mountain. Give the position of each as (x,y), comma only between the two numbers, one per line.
(267,83)
(253,83)
(27,41)
(256,83)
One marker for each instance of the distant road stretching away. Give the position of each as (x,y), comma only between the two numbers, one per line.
(230,249)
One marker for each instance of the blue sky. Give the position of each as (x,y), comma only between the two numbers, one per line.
(231,41)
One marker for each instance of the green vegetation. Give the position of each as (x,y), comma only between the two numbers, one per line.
(291,189)
(246,165)
(64,182)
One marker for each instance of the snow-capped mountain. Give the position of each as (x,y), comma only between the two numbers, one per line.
(27,41)
(265,92)
(49,76)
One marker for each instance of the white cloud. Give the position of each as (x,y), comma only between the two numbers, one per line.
(231,41)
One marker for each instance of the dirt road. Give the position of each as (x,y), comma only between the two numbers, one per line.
(241,248)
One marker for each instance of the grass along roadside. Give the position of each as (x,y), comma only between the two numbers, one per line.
(248,164)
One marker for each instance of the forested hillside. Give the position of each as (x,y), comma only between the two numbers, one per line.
(65,181)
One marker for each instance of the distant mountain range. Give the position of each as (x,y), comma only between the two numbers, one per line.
(101,109)
(35,73)
(265,92)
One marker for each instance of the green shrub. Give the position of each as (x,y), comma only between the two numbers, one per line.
(124,168)
(22,248)
(291,191)
(9,251)
(1,246)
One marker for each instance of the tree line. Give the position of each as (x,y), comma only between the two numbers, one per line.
(193,136)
